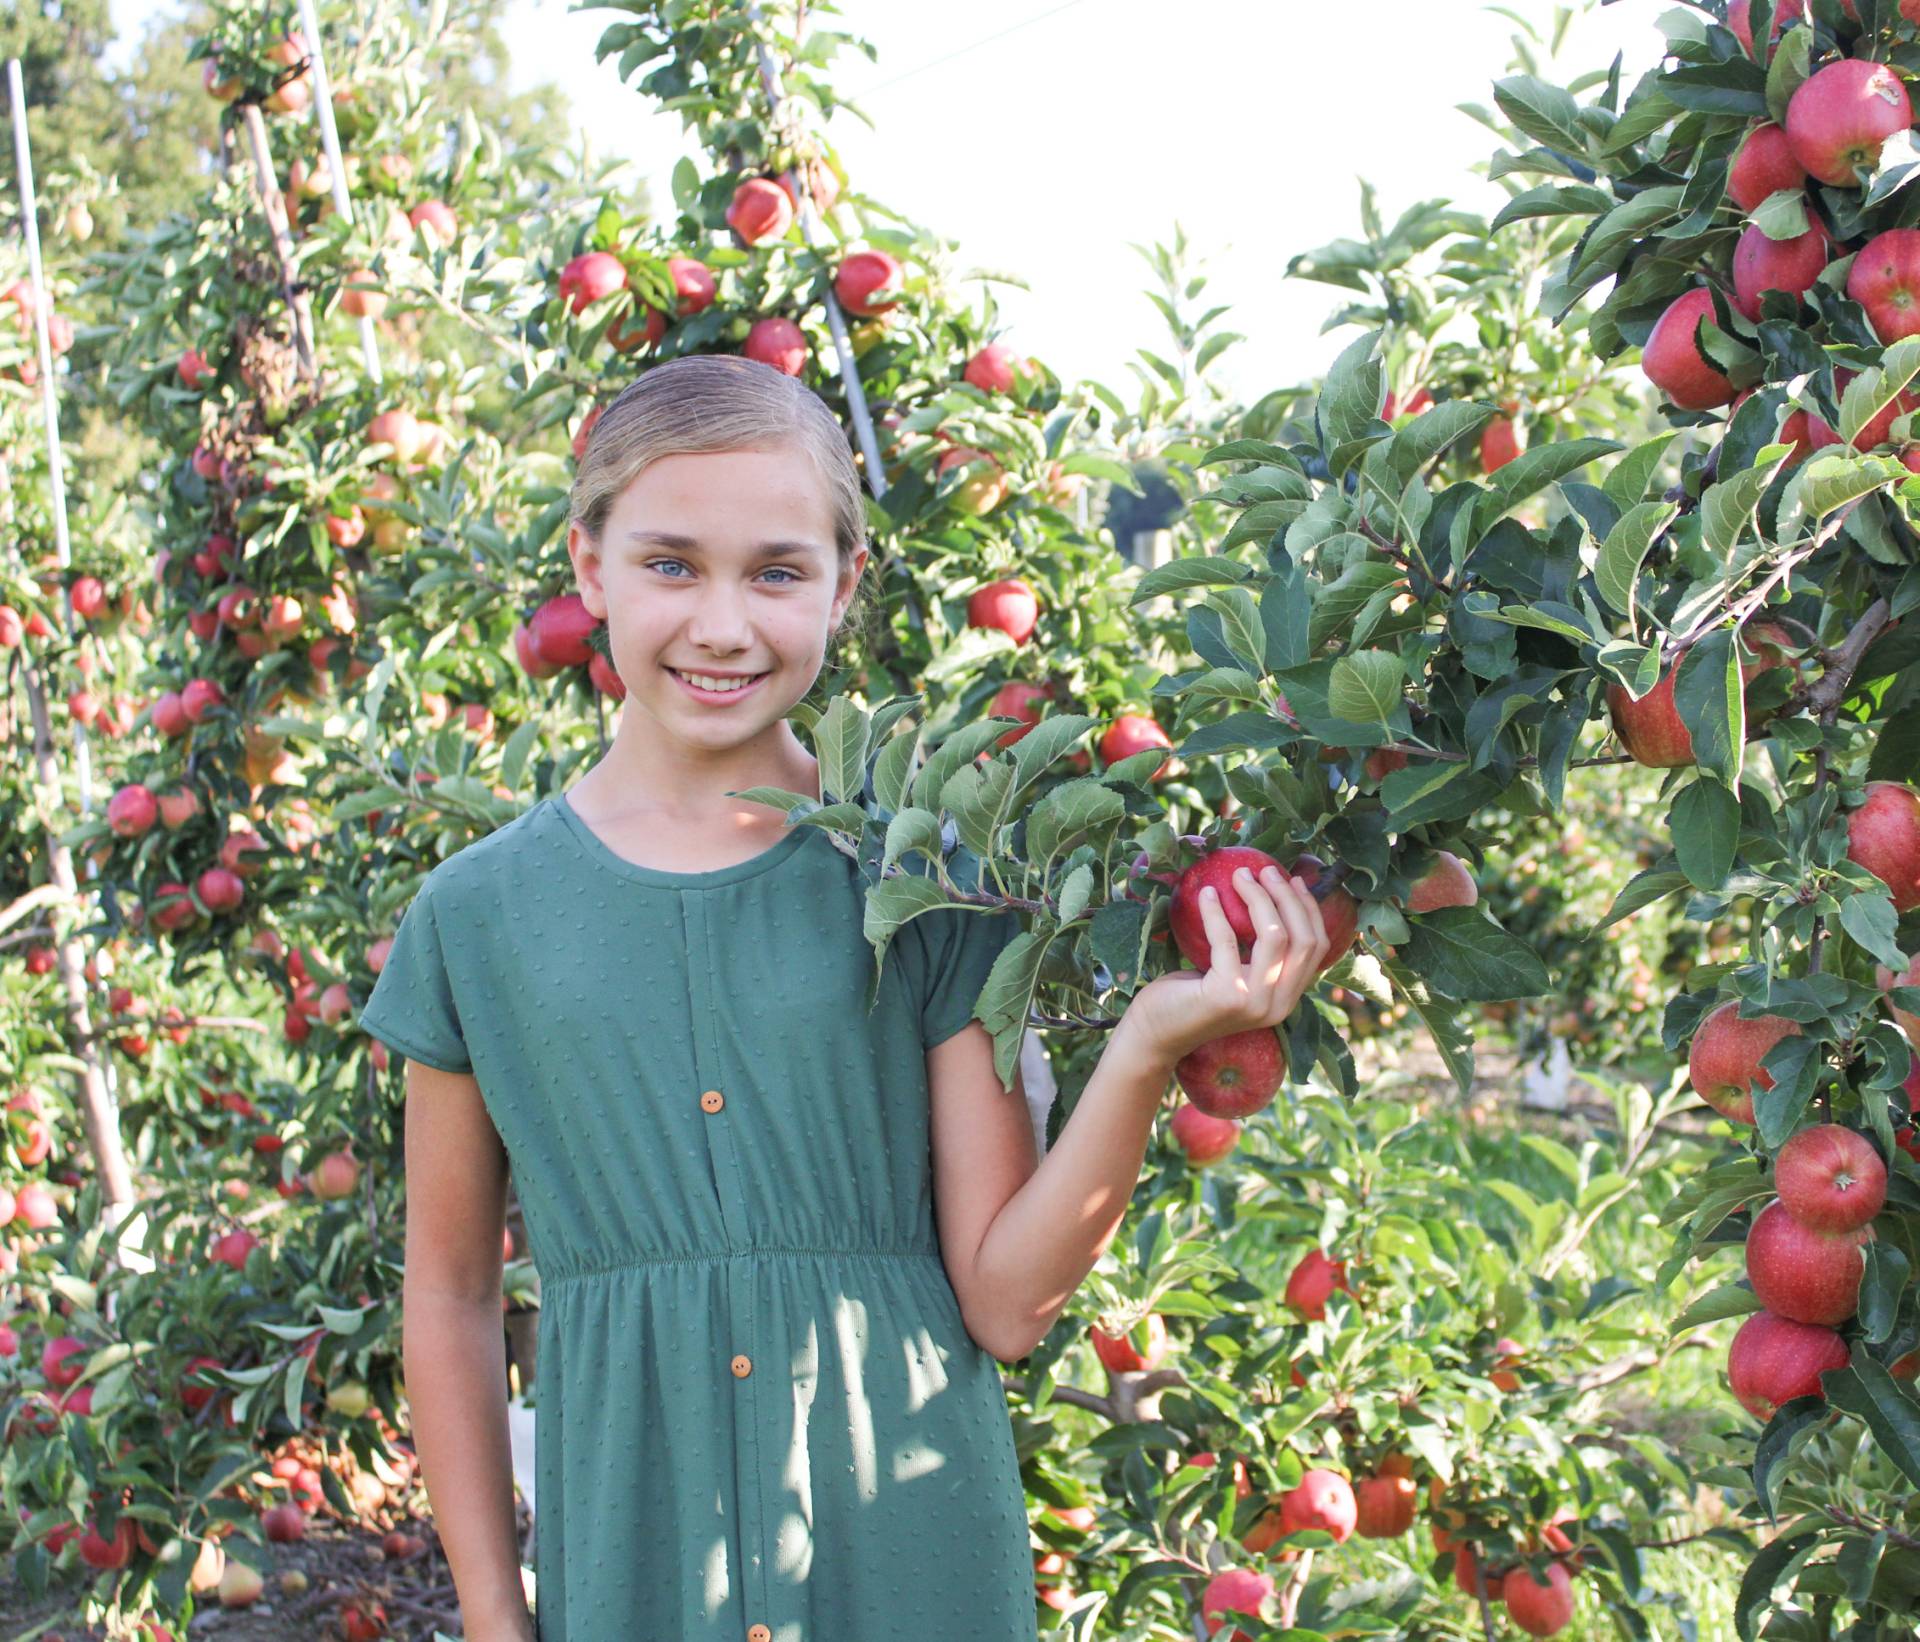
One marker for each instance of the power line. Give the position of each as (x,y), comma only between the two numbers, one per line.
(963,50)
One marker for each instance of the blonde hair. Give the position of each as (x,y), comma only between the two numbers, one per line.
(717,402)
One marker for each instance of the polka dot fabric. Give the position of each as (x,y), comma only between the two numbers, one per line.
(759,1416)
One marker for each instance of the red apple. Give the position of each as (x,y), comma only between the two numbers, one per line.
(220,890)
(1447,883)
(88,597)
(1793,265)
(760,209)
(1236,1075)
(435,220)
(1132,733)
(283,1524)
(1725,1058)
(193,368)
(1907,1020)
(1384,1506)
(1011,606)
(132,811)
(984,489)
(591,277)
(605,677)
(195,1396)
(1541,1604)
(200,698)
(1673,361)
(1651,728)
(1204,1138)
(361,296)
(1018,700)
(861,277)
(1764,165)
(1773,1360)
(1801,1274)
(1885,280)
(779,343)
(1312,1281)
(1739,20)
(1119,1353)
(1499,444)
(63,1360)
(991,369)
(1233,1590)
(117,1552)
(231,1248)
(1883,836)
(1842,115)
(1830,1179)
(12,627)
(401,429)
(531,661)
(692,283)
(625,337)
(34,1206)
(1324,1499)
(560,628)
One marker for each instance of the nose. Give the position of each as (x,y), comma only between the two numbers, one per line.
(720,622)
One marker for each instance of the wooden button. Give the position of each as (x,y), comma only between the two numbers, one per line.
(712,1101)
(742,1367)
(759,1633)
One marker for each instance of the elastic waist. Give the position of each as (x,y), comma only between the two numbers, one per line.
(639,1262)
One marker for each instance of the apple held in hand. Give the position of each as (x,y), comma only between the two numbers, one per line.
(1236,1075)
(1338,910)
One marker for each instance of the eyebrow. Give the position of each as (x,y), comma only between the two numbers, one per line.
(684,544)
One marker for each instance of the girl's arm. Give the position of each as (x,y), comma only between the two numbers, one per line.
(1043,1239)
(454,1346)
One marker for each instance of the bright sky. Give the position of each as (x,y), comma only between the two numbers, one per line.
(1048,136)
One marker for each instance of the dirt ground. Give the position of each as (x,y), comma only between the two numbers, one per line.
(340,1563)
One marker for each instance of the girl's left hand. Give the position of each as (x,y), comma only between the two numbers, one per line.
(1175,1013)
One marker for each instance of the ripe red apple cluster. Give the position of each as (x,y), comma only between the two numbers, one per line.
(555,637)
(1804,1265)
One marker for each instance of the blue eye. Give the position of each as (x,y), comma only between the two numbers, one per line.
(774,570)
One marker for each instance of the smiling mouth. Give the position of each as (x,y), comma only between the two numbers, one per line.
(731,688)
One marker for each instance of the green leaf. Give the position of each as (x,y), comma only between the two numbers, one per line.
(1625,549)
(1641,890)
(1068,814)
(893,902)
(1533,470)
(1783,215)
(1875,388)
(1203,570)
(1881,1286)
(1443,1022)
(1726,510)
(1543,112)
(840,744)
(1249,450)
(1710,697)
(1552,200)
(1045,743)
(1869,1392)
(1830,480)
(1717,1304)
(1365,688)
(1240,625)
(913,829)
(1465,955)
(1870,922)
(1627,484)
(1352,393)
(1793,1065)
(1704,822)
(1776,1443)
(893,769)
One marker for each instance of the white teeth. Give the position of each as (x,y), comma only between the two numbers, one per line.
(720,684)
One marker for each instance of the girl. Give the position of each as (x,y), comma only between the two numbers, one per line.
(782,1238)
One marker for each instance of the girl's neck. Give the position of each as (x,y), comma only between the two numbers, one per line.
(631,782)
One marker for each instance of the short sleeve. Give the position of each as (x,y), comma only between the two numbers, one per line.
(412,1007)
(960,951)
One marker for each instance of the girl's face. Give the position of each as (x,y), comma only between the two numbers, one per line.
(720,565)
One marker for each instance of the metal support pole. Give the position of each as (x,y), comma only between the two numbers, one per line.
(336,167)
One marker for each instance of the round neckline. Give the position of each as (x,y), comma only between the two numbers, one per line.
(598,848)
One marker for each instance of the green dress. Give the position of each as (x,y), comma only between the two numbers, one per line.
(759,1416)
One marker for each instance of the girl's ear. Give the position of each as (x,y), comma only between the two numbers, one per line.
(586,570)
(849,580)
